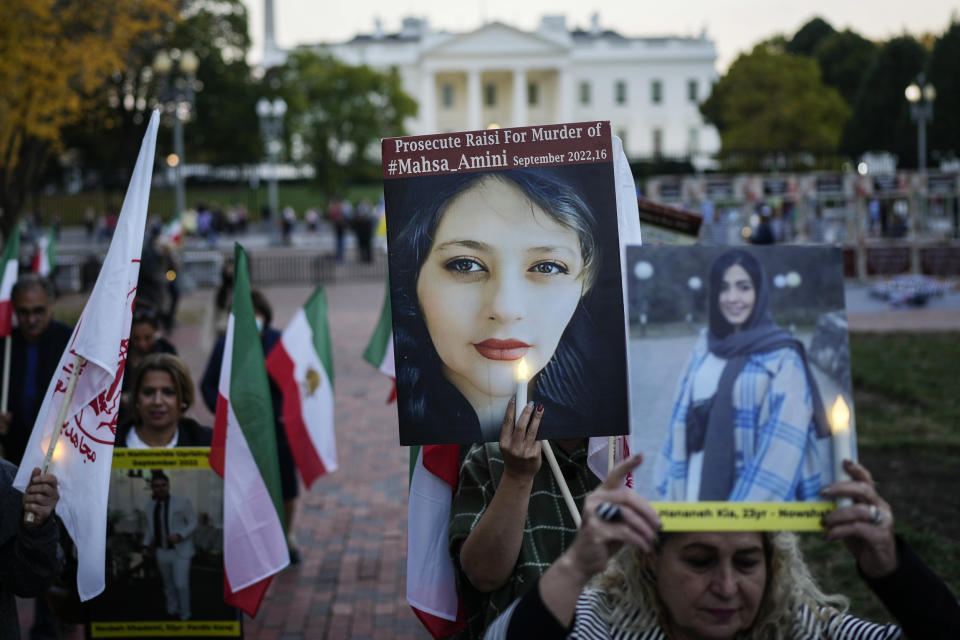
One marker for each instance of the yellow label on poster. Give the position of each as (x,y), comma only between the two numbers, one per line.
(742,516)
(175,458)
(150,629)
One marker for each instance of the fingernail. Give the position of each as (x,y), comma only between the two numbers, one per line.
(539,407)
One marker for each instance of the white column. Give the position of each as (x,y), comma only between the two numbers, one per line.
(519,97)
(473,99)
(428,103)
(564,96)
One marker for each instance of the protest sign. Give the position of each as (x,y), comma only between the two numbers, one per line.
(740,383)
(164,575)
(505,273)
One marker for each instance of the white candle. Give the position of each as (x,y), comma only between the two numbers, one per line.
(842,447)
(523,378)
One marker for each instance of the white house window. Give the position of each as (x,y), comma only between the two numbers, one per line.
(620,92)
(693,140)
(692,90)
(447,95)
(533,96)
(584,93)
(656,91)
(657,142)
(490,95)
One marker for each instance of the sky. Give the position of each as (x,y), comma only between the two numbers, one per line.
(735,25)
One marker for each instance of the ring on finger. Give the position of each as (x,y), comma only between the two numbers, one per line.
(609,512)
(876,515)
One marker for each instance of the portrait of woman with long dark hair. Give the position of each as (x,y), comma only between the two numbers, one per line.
(487,268)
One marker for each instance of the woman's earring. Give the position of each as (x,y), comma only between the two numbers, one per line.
(184,406)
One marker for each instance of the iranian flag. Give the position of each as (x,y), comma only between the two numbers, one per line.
(45,259)
(301,364)
(379,351)
(431,582)
(10,263)
(173,232)
(244,453)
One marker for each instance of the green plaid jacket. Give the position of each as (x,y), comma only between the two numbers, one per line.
(547,532)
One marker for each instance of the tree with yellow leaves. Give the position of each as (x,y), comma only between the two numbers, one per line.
(54,54)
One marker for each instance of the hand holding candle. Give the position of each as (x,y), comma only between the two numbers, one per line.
(842,447)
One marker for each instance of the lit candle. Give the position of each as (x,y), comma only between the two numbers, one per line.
(523,377)
(842,448)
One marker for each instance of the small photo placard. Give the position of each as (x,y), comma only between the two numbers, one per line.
(740,394)
(164,574)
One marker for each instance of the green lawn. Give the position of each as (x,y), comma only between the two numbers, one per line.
(907,395)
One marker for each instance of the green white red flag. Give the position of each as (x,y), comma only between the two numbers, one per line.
(431,581)
(244,453)
(379,350)
(45,259)
(301,364)
(10,263)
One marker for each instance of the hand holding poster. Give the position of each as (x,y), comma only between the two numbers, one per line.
(503,247)
(737,357)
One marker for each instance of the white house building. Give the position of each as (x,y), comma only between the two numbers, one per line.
(648,88)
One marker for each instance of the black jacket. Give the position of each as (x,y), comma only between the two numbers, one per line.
(51,346)
(29,558)
(190,434)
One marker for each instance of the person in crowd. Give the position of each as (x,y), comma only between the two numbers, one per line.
(489,269)
(508,520)
(747,414)
(171,521)
(269,337)
(145,338)
(623,577)
(36,344)
(764,233)
(162,392)
(29,551)
(336,215)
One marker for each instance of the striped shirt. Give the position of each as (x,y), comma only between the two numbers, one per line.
(594,610)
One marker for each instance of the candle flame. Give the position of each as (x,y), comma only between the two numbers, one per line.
(840,416)
(523,370)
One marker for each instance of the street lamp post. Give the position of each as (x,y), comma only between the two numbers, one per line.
(921,95)
(178,69)
(271,115)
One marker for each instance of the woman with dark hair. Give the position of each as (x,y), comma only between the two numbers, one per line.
(491,268)
(747,414)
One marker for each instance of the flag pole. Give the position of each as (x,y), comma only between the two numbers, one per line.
(564,489)
(61,416)
(6,374)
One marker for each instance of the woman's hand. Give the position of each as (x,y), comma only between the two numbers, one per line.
(518,442)
(866,527)
(40,498)
(599,538)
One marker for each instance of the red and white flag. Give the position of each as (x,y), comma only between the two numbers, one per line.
(379,351)
(431,580)
(244,453)
(10,265)
(301,364)
(45,259)
(84,451)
